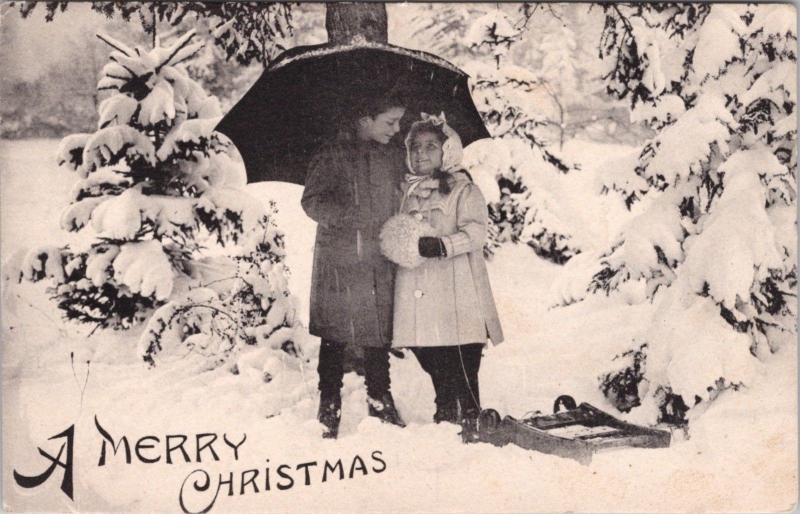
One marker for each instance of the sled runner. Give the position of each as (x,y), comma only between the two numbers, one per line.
(576,433)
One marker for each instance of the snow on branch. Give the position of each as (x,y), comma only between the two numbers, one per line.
(116,45)
(70,151)
(108,145)
(180,50)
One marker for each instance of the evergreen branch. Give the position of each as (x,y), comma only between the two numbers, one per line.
(105,39)
(187,38)
(625,21)
(554,14)
(217,281)
(526,16)
(216,310)
(91,333)
(187,58)
(126,69)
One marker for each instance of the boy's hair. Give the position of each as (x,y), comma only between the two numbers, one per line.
(374,105)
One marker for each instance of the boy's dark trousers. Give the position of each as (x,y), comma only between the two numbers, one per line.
(376,376)
(454,371)
(331,369)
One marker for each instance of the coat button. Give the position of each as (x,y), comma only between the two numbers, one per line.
(418,293)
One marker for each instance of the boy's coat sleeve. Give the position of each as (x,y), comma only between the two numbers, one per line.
(322,197)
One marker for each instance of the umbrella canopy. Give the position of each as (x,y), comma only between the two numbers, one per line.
(304,97)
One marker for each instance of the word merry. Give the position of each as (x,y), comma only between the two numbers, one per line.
(149,449)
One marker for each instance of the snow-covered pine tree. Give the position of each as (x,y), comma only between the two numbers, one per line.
(713,245)
(511,99)
(162,193)
(247,313)
(140,188)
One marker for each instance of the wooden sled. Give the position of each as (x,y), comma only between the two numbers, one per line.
(576,433)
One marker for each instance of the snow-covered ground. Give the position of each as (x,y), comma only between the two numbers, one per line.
(740,454)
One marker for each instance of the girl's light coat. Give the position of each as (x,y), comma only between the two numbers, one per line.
(447,301)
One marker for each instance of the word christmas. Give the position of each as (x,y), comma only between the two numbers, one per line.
(196,491)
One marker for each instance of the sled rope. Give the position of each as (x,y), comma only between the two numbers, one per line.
(466,379)
(458,332)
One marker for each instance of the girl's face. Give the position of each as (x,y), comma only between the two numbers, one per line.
(426,153)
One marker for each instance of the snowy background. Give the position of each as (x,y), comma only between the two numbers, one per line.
(643,219)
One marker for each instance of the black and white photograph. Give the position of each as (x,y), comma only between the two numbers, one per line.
(398,257)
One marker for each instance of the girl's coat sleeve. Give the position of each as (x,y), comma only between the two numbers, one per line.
(323,200)
(471,222)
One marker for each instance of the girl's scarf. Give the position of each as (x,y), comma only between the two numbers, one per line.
(420,185)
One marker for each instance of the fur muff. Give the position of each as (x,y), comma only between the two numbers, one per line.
(399,239)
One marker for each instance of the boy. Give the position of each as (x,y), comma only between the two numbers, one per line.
(352,188)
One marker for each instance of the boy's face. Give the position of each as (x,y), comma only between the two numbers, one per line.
(382,127)
(426,153)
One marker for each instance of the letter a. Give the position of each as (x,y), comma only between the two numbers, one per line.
(29,482)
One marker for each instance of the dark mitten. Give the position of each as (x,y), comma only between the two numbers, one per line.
(431,247)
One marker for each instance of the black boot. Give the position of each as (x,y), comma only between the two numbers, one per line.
(468,419)
(385,410)
(467,391)
(378,382)
(330,413)
(330,369)
(469,430)
(446,406)
(445,413)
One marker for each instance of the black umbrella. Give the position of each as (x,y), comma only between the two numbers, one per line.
(303,98)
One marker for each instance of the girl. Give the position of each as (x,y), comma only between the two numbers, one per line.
(444,310)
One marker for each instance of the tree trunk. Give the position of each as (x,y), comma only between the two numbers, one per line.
(347,21)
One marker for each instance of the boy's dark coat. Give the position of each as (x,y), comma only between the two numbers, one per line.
(352,188)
